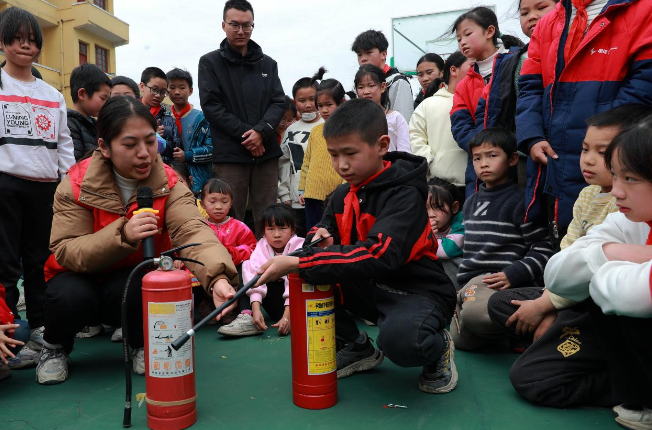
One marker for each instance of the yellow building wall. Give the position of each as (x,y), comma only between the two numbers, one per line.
(64,24)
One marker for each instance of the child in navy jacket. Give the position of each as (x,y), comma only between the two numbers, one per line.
(580,63)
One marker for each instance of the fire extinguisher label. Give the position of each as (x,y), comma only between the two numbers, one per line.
(167,322)
(321,336)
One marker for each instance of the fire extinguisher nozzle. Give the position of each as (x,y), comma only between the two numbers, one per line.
(180,342)
(126,422)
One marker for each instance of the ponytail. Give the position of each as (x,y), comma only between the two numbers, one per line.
(308,82)
(318,76)
(330,87)
(511,41)
(456,59)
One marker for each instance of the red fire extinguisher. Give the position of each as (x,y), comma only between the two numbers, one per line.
(312,323)
(169,374)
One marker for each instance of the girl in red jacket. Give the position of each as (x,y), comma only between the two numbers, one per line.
(479,39)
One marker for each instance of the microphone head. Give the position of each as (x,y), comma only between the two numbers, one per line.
(144,197)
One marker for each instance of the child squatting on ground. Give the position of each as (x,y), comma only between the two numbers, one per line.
(279,239)
(501,251)
(377,224)
(446,220)
(96,236)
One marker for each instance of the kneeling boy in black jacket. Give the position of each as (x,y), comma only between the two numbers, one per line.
(381,253)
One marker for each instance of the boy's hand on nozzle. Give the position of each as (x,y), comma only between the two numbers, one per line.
(497,281)
(161,128)
(259,320)
(223,291)
(322,232)
(141,226)
(541,151)
(179,155)
(284,323)
(6,340)
(277,267)
(545,324)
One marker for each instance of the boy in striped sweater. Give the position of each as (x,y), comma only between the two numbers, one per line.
(501,250)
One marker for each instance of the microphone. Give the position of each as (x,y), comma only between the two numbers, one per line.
(145,200)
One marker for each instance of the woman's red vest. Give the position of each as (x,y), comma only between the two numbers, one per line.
(103,218)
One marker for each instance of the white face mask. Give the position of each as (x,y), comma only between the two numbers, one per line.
(308,116)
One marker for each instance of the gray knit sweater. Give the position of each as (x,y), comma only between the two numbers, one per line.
(497,239)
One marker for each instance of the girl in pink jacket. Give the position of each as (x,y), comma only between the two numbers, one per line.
(237,238)
(279,239)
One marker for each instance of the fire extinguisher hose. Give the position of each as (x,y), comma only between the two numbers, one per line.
(126,422)
(190,333)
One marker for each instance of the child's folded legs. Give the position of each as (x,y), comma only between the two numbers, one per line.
(471,327)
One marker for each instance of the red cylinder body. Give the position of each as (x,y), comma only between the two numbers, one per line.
(312,323)
(169,374)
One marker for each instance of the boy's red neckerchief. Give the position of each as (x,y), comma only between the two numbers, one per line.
(178,116)
(386,68)
(649,236)
(352,207)
(154,110)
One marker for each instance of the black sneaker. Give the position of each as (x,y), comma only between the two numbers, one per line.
(356,357)
(440,377)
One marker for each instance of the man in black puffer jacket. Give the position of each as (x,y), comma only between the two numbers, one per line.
(243,100)
(90,88)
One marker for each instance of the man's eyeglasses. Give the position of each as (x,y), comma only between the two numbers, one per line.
(154,90)
(235,27)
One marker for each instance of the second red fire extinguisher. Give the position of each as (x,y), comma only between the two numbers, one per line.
(312,323)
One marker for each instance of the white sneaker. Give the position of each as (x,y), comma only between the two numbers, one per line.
(117,335)
(52,366)
(90,331)
(138,361)
(631,419)
(242,325)
(21,302)
(36,335)
(27,357)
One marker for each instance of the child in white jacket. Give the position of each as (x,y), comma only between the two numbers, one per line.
(279,239)
(611,265)
(36,151)
(430,125)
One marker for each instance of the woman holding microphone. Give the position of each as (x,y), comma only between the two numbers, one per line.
(96,237)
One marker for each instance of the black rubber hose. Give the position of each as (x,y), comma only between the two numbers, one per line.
(126,421)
